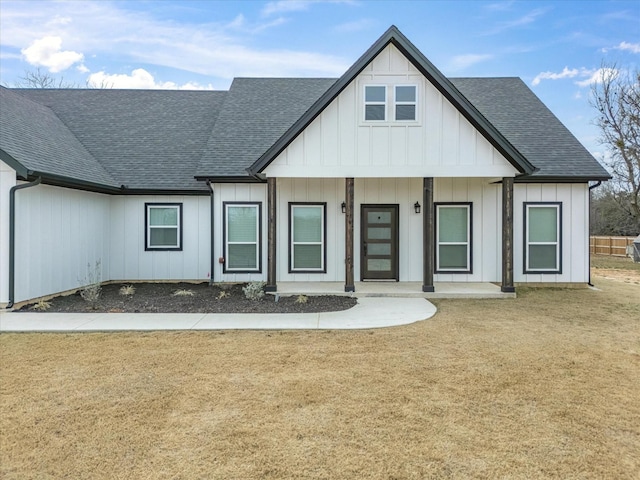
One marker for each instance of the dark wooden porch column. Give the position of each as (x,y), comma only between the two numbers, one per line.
(507,235)
(428,235)
(349,285)
(271,236)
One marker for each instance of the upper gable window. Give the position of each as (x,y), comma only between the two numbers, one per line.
(405,102)
(375,103)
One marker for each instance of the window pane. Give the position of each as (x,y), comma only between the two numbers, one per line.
(406,93)
(542,257)
(163,216)
(242,223)
(307,256)
(242,256)
(453,257)
(543,225)
(378,249)
(163,237)
(379,233)
(374,112)
(374,94)
(452,224)
(405,112)
(378,217)
(378,264)
(307,224)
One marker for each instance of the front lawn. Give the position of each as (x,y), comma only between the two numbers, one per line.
(546,385)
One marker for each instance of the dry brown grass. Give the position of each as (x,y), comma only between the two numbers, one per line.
(544,386)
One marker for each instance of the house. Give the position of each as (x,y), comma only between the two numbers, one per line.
(392,172)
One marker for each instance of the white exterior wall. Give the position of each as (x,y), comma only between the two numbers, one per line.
(486,226)
(440,143)
(239,192)
(59,232)
(7,180)
(575,230)
(130,261)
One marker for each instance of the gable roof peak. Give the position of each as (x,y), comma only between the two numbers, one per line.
(394,36)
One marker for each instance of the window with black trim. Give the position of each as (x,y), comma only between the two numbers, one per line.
(542,237)
(242,237)
(307,237)
(163,226)
(405,102)
(375,103)
(453,237)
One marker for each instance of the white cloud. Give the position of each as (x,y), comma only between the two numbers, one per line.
(139,79)
(460,62)
(530,17)
(566,73)
(47,52)
(631,47)
(103,30)
(596,76)
(354,26)
(287,6)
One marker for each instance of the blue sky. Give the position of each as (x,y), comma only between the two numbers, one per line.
(556,47)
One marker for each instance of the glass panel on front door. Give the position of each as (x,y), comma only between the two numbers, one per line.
(379,242)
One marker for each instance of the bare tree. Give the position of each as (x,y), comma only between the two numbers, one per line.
(616,96)
(41,79)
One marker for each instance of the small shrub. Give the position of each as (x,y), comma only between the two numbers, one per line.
(223,294)
(184,292)
(41,305)
(254,291)
(302,299)
(127,290)
(90,293)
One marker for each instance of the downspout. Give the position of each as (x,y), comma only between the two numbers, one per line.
(12,237)
(589,238)
(213,263)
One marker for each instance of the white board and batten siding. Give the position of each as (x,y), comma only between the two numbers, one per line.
(7,181)
(130,261)
(575,230)
(60,235)
(239,192)
(440,143)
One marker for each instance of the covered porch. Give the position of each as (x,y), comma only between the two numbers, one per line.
(396,289)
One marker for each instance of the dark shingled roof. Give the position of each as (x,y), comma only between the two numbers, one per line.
(35,137)
(530,127)
(256,114)
(159,140)
(145,139)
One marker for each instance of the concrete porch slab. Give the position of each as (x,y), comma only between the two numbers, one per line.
(395,289)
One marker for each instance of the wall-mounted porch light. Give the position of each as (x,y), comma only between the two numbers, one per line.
(344,207)
(416,207)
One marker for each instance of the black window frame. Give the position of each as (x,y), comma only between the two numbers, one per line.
(469,270)
(147,227)
(324,237)
(225,267)
(525,253)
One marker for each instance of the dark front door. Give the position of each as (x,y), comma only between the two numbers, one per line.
(379,242)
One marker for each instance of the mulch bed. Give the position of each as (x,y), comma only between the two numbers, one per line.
(162,298)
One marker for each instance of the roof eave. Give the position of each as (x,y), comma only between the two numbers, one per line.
(561,178)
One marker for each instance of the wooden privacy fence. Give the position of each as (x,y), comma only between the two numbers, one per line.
(614,246)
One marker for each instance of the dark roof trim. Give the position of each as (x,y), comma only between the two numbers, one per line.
(20,169)
(67,182)
(561,179)
(229,179)
(393,35)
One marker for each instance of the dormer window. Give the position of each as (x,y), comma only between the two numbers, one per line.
(405,102)
(375,103)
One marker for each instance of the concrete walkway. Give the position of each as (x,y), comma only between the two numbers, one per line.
(370,312)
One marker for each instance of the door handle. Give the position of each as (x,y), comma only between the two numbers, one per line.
(364,247)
